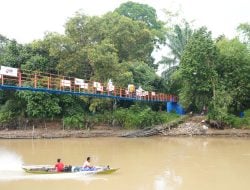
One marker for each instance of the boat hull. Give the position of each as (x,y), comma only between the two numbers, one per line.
(50,170)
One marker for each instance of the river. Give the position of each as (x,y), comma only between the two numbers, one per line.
(145,163)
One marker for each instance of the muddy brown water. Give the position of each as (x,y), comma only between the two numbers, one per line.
(145,163)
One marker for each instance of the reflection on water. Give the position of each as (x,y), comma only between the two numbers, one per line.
(145,163)
(168,181)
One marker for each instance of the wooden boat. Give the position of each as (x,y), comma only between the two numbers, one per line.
(49,169)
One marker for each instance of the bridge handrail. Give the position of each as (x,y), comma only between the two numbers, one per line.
(50,81)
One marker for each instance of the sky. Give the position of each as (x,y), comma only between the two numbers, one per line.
(27,20)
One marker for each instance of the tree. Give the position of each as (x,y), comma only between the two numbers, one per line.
(40,105)
(219,106)
(70,58)
(140,12)
(146,14)
(244,30)
(197,70)
(104,61)
(14,54)
(143,75)
(177,39)
(233,70)
(132,39)
(41,56)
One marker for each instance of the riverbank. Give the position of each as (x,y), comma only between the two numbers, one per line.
(175,132)
(185,126)
(59,133)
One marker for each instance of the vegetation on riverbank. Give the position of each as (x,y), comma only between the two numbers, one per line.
(238,122)
(134,117)
(209,75)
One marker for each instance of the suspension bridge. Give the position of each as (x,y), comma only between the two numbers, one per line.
(35,81)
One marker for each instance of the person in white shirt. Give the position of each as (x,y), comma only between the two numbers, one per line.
(87,165)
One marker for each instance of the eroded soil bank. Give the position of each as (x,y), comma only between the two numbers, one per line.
(190,127)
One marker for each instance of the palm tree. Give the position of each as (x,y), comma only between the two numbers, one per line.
(177,39)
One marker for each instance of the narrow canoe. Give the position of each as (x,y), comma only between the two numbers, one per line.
(41,169)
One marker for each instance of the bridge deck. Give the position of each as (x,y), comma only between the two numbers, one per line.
(51,83)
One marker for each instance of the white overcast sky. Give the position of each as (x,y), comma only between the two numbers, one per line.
(26,20)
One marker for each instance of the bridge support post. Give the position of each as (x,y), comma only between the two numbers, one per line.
(175,107)
(48,83)
(19,78)
(35,82)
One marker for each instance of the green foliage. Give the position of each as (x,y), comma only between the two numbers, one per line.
(71,105)
(219,106)
(244,30)
(143,75)
(177,39)
(139,12)
(8,111)
(100,105)
(104,60)
(237,122)
(84,121)
(40,105)
(137,117)
(233,69)
(132,39)
(197,70)
(74,121)
(145,14)
(5,117)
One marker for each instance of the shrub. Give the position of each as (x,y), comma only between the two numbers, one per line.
(5,117)
(74,121)
(128,118)
(136,117)
(237,122)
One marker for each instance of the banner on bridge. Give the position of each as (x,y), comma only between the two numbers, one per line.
(110,86)
(98,86)
(79,82)
(66,83)
(8,71)
(85,86)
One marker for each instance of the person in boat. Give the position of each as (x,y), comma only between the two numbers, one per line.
(59,166)
(87,166)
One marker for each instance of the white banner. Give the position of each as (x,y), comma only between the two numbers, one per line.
(66,83)
(138,93)
(99,88)
(85,86)
(111,87)
(96,84)
(153,93)
(79,81)
(145,93)
(9,71)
